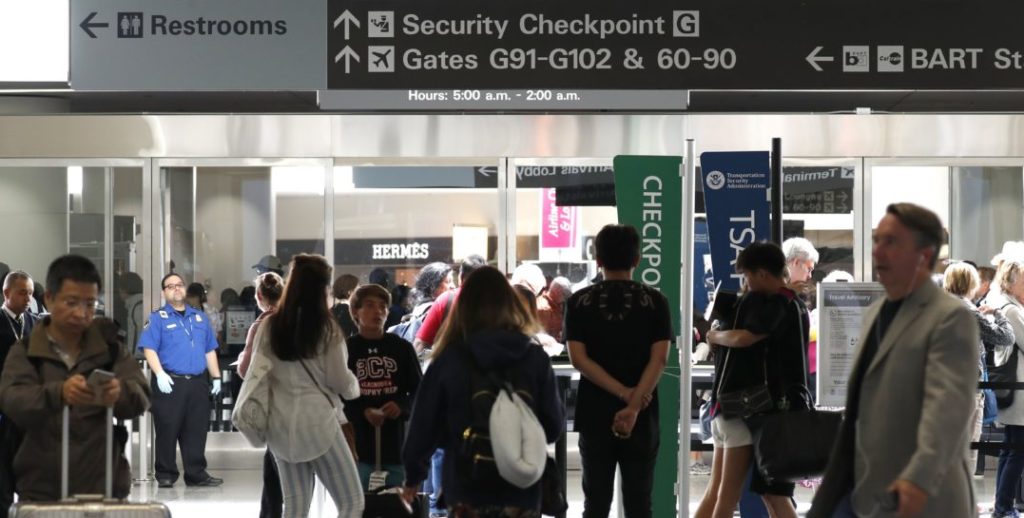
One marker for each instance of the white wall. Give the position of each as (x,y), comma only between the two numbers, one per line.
(33,208)
(222,238)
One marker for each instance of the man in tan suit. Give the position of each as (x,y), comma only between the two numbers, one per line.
(902,450)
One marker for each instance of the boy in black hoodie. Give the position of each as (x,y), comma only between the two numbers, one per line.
(389,375)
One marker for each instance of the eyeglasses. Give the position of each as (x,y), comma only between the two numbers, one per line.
(178,286)
(72,304)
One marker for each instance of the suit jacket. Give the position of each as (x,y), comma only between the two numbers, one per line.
(914,414)
(8,337)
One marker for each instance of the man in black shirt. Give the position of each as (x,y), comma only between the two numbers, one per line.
(618,332)
(902,449)
(389,375)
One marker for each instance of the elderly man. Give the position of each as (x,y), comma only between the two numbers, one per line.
(801,257)
(902,449)
(18,288)
(551,306)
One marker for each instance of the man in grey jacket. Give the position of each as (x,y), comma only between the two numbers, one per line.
(902,450)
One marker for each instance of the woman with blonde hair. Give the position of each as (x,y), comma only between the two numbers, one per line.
(1010,300)
(489,329)
(308,369)
(962,281)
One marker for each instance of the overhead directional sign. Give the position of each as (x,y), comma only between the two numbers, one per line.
(198,45)
(439,50)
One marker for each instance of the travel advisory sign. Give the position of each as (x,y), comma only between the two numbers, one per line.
(648,194)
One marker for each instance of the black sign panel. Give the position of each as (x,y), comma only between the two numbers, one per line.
(539,176)
(454,48)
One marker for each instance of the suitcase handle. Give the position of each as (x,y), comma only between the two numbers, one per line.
(108,488)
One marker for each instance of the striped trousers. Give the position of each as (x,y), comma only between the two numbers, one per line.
(337,472)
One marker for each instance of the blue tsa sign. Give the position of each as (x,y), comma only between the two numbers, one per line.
(736,201)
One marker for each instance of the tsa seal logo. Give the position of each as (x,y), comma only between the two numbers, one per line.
(715,180)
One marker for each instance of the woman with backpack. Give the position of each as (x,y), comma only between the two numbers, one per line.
(309,368)
(1009,299)
(487,334)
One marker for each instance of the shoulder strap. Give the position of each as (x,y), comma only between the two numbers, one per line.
(317,383)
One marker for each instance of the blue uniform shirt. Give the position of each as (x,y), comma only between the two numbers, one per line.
(181,342)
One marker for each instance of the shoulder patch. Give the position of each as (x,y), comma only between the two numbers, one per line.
(199,318)
(163,314)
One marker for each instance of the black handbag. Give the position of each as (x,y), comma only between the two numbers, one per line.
(748,401)
(552,497)
(793,446)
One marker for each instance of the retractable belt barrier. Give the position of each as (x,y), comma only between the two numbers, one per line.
(983,446)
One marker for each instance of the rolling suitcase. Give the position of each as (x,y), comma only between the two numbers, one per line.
(88,505)
(384,502)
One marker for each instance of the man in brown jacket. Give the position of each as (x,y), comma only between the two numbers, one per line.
(48,369)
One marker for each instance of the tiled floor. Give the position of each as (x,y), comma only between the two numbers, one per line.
(241,467)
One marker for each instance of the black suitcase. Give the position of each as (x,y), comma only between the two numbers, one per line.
(384,502)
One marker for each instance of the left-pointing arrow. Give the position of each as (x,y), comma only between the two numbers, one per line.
(88,26)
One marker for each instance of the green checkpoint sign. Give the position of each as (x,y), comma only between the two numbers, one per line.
(648,194)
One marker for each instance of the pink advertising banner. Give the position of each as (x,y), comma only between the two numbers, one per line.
(558,224)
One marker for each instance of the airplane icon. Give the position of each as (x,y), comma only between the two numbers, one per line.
(381,58)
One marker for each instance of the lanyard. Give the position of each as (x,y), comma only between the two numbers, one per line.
(186,325)
(10,322)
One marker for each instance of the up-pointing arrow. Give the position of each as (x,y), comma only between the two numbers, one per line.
(347,18)
(348,54)
(813,58)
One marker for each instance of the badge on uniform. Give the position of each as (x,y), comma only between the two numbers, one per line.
(199,318)
(163,314)
(171,326)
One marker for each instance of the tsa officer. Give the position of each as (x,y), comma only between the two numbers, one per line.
(179,345)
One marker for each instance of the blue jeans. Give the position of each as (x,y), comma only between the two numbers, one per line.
(433,484)
(1011,465)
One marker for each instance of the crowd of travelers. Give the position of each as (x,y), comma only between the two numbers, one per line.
(368,386)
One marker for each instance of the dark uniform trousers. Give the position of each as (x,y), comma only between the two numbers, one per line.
(181,417)
(10,441)
(601,452)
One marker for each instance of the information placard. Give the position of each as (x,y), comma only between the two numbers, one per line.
(237,324)
(841,309)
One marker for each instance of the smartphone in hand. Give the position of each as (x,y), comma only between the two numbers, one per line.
(98,378)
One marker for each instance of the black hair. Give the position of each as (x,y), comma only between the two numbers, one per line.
(71,267)
(163,282)
(617,247)
(130,282)
(431,276)
(762,255)
(302,326)
(229,297)
(470,263)
(400,296)
(247,297)
(196,290)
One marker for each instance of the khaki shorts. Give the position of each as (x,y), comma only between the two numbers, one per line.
(730,433)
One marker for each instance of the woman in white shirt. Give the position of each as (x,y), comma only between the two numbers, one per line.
(309,369)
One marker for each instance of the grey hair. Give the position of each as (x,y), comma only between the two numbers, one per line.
(15,276)
(560,288)
(799,248)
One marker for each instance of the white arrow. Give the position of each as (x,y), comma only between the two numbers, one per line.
(348,54)
(347,18)
(813,58)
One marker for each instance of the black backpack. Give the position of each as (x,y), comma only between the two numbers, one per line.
(1005,373)
(475,458)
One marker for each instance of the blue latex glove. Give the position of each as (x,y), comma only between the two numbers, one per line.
(216,387)
(164,382)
